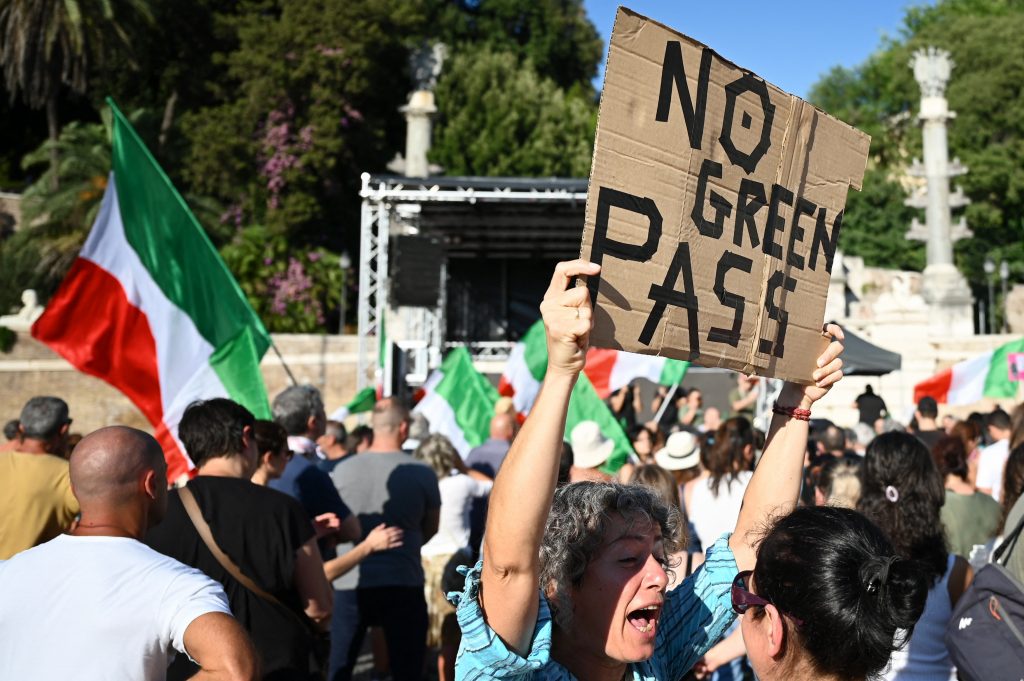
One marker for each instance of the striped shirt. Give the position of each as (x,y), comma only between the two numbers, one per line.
(695,616)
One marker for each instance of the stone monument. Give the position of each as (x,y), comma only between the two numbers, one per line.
(30,311)
(425,64)
(944,289)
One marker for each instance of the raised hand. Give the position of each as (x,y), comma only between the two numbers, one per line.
(568,317)
(829,371)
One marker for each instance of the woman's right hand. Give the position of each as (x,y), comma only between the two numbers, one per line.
(568,317)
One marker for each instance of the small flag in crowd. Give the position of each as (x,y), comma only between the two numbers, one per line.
(149,306)
(458,401)
(362,402)
(524,372)
(608,370)
(986,375)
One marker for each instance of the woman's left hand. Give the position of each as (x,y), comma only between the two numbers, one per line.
(829,371)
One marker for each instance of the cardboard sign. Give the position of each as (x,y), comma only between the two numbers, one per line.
(1015,360)
(714,208)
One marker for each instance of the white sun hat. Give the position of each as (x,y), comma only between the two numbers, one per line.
(680,452)
(590,448)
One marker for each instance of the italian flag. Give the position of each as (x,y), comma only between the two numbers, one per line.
(149,306)
(458,401)
(528,361)
(608,370)
(986,375)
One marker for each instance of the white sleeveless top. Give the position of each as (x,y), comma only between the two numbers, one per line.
(925,657)
(712,516)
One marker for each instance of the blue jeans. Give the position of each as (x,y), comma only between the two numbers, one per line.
(400,611)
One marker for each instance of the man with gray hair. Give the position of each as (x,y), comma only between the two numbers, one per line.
(36,503)
(300,411)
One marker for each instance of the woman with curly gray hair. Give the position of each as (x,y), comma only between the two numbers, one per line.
(571,584)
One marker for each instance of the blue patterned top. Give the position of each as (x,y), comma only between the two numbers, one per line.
(695,616)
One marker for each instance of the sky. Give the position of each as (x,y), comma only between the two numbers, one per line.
(789,43)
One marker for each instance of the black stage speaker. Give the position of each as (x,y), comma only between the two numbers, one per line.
(415,270)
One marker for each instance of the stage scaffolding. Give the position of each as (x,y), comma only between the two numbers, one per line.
(505,220)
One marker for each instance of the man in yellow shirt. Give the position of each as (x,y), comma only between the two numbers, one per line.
(36,503)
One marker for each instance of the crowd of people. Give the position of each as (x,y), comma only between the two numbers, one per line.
(809,551)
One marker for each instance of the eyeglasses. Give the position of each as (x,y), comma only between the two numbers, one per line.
(743,599)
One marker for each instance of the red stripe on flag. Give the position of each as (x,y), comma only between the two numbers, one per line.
(505,388)
(91,323)
(936,387)
(599,369)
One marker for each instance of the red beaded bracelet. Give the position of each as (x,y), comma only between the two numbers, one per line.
(794,412)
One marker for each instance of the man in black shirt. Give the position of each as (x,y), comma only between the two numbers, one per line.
(870,406)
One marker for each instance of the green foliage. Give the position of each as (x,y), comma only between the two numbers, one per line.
(7,339)
(22,266)
(48,43)
(499,117)
(319,83)
(985,89)
(554,35)
(291,289)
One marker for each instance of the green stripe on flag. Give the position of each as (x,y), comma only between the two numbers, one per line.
(179,256)
(536,350)
(997,380)
(586,405)
(673,371)
(364,401)
(470,395)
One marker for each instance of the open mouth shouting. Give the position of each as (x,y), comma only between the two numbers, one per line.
(645,619)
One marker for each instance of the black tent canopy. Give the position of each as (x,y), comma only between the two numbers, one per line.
(862,358)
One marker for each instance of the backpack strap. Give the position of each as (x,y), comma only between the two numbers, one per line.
(1009,543)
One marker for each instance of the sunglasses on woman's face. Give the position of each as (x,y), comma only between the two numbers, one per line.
(743,599)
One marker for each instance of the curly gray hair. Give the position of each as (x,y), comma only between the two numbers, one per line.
(577,527)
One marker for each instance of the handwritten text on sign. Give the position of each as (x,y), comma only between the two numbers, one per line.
(715,206)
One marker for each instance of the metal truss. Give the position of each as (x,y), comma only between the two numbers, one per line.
(390,203)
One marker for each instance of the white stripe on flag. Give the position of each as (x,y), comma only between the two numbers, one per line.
(442,420)
(968,382)
(629,366)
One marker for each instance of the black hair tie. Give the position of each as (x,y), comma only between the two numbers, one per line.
(881,575)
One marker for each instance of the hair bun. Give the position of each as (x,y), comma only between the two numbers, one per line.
(874,574)
(898,588)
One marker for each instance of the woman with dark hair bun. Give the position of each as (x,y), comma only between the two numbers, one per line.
(827,599)
(902,492)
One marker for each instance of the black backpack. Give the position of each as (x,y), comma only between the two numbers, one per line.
(985,635)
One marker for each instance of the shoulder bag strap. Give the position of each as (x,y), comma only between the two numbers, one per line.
(1009,542)
(188,500)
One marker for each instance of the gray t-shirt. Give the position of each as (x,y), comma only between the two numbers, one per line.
(392,488)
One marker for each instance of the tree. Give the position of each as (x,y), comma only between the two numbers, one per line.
(49,43)
(498,116)
(556,36)
(985,90)
(315,88)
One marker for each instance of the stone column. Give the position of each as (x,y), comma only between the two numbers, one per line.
(944,289)
(419,113)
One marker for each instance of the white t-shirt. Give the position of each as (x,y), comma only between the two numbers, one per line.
(457,494)
(88,608)
(711,515)
(991,463)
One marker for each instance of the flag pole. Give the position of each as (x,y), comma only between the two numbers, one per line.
(291,376)
(664,402)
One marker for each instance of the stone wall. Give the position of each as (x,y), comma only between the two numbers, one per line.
(328,362)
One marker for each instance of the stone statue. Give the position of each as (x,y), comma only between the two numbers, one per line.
(425,64)
(30,311)
(932,68)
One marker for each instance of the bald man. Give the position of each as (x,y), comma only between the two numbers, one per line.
(103,603)
(385,485)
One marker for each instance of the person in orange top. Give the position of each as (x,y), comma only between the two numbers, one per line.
(36,503)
